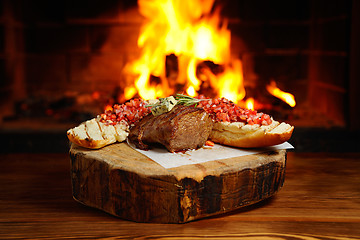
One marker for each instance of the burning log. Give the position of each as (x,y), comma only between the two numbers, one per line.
(172,68)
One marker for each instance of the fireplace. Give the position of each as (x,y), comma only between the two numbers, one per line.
(63,62)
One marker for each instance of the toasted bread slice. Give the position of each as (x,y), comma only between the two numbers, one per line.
(251,136)
(95,134)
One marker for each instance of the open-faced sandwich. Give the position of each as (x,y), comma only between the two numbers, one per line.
(181,123)
(244,128)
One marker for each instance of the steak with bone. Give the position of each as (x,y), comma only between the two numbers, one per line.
(180,129)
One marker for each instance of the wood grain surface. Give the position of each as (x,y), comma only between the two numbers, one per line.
(125,183)
(320,199)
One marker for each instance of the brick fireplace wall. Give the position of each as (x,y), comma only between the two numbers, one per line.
(49,49)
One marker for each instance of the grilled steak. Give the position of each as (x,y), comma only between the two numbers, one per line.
(180,129)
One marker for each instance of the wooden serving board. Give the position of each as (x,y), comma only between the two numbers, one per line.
(123,182)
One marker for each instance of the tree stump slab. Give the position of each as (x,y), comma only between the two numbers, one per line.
(123,182)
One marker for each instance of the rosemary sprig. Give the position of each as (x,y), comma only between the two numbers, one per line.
(187,100)
(181,100)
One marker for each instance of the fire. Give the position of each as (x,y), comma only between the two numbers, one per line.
(250,103)
(275,91)
(194,82)
(230,83)
(108,108)
(195,33)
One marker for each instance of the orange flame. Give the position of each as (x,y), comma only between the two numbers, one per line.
(275,91)
(249,103)
(192,31)
(230,83)
(108,108)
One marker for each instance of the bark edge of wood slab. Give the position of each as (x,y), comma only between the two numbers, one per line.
(123,182)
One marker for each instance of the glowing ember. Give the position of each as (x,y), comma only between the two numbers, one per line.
(194,32)
(275,91)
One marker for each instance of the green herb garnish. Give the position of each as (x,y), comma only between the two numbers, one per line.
(187,100)
(181,100)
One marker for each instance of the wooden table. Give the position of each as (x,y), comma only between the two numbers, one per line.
(320,200)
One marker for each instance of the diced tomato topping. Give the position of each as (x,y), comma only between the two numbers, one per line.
(220,110)
(130,112)
(209,143)
(224,110)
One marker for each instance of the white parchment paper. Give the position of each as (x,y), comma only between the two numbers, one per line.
(170,160)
